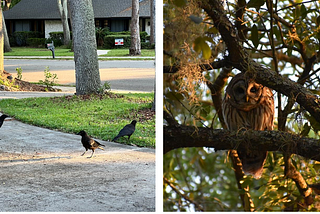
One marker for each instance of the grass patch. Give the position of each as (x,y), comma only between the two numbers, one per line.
(125,52)
(101,117)
(25,51)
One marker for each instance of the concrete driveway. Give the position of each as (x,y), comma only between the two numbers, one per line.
(42,170)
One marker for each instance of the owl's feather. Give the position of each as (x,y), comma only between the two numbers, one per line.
(248,105)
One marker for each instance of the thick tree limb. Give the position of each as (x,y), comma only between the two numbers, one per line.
(216,89)
(246,199)
(188,136)
(239,59)
(294,174)
(204,67)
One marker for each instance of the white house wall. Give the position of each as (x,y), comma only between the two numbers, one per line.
(147,27)
(52,26)
(56,26)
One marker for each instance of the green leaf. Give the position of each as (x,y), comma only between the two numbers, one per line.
(213,30)
(255,3)
(305,130)
(200,45)
(255,36)
(174,96)
(304,12)
(316,167)
(283,189)
(206,51)
(318,20)
(297,12)
(209,39)
(196,19)
(314,123)
(180,3)
(197,44)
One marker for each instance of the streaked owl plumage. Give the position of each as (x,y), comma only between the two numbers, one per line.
(249,105)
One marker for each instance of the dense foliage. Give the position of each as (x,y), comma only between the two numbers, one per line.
(283,36)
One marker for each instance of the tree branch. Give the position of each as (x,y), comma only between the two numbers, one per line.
(214,65)
(197,205)
(246,199)
(216,89)
(188,136)
(239,59)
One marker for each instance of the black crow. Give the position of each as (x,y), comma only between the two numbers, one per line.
(127,130)
(89,143)
(4,116)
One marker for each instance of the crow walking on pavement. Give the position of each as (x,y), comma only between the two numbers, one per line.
(127,130)
(4,116)
(89,143)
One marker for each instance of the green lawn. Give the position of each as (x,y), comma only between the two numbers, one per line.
(100,118)
(125,52)
(25,51)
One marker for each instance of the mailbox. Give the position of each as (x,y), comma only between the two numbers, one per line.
(50,46)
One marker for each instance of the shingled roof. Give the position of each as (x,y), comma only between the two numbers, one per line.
(48,9)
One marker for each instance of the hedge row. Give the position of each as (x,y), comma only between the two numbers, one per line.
(35,39)
(19,38)
(109,40)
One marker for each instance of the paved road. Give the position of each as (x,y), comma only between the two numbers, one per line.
(131,75)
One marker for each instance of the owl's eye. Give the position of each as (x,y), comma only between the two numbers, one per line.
(240,90)
(253,90)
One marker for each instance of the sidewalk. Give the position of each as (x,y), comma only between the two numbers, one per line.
(43,170)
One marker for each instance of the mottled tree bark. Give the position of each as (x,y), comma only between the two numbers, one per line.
(1,43)
(7,47)
(135,48)
(63,10)
(85,47)
(152,22)
(179,136)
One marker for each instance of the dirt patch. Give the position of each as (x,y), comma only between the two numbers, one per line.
(145,114)
(87,97)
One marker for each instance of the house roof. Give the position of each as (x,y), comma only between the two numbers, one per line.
(48,9)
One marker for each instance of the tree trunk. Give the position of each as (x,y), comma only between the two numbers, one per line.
(63,9)
(135,48)
(70,18)
(85,47)
(7,5)
(7,47)
(1,43)
(152,22)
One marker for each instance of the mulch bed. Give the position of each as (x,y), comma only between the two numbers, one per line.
(24,85)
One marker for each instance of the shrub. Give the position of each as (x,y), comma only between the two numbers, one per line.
(50,78)
(126,36)
(57,38)
(147,45)
(109,41)
(143,36)
(36,42)
(56,42)
(20,37)
(100,34)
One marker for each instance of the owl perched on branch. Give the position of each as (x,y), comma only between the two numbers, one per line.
(249,105)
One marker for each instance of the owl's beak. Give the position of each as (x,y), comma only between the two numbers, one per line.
(247,98)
